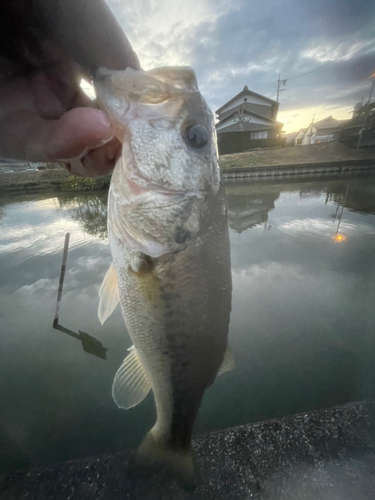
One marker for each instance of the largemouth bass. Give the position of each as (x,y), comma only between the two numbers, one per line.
(168,232)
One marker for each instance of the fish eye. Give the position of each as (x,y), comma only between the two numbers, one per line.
(196,135)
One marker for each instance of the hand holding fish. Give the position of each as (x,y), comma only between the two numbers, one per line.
(45,49)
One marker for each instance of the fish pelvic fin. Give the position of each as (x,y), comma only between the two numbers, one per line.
(108,294)
(131,383)
(228,362)
(156,455)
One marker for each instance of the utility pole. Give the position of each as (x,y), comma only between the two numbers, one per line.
(279,89)
(366,112)
(372,88)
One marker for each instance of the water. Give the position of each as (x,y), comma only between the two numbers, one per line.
(302,325)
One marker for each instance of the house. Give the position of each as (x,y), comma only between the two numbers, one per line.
(249,112)
(299,137)
(289,138)
(325,130)
(359,131)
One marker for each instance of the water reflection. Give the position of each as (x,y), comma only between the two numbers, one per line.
(251,202)
(90,210)
(302,324)
(90,344)
(247,208)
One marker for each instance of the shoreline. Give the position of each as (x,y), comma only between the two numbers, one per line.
(57,180)
(327,453)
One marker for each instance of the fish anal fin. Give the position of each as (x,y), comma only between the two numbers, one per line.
(228,362)
(131,383)
(108,294)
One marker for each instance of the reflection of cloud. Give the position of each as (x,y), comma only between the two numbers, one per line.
(267,272)
(40,225)
(324,228)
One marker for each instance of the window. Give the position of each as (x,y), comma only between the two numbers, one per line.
(259,135)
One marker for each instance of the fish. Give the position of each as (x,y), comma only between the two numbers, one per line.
(169,240)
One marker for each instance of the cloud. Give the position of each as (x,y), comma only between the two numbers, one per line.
(232,44)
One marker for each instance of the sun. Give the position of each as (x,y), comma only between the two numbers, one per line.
(339,238)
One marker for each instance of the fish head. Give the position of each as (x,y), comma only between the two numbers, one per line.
(168,166)
(165,126)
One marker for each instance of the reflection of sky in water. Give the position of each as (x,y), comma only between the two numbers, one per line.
(302,325)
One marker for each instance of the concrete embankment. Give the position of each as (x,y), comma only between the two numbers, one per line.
(319,168)
(327,455)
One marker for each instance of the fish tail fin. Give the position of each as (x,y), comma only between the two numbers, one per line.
(155,454)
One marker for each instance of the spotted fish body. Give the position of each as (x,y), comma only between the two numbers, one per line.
(168,231)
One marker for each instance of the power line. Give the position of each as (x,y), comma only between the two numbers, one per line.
(312,71)
(283,82)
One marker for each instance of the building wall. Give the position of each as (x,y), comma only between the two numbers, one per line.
(235,142)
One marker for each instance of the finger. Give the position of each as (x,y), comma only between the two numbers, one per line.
(26,136)
(99,161)
(88,31)
(56,90)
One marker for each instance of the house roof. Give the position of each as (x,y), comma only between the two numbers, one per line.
(303,130)
(247,112)
(246,106)
(245,91)
(290,136)
(328,123)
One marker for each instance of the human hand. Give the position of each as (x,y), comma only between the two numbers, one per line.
(44,114)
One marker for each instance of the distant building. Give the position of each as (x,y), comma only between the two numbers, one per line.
(325,130)
(289,138)
(8,166)
(359,131)
(249,112)
(299,137)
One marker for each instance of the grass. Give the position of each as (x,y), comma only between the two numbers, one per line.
(52,179)
(262,157)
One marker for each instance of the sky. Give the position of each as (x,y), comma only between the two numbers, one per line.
(233,43)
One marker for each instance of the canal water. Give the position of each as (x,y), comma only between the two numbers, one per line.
(302,327)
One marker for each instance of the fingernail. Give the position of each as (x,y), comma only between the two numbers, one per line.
(104,119)
(112,150)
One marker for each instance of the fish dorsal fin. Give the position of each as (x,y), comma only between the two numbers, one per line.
(108,294)
(228,362)
(131,384)
(180,77)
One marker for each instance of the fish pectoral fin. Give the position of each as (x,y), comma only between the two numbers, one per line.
(108,294)
(228,362)
(131,383)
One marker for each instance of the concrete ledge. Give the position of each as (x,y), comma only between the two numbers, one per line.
(320,168)
(326,455)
